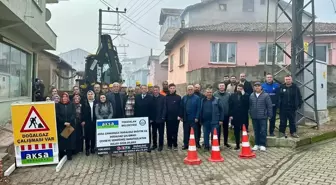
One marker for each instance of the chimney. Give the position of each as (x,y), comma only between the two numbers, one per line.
(151,52)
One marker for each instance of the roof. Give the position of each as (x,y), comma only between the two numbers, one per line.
(168,11)
(57,58)
(77,49)
(320,28)
(206,2)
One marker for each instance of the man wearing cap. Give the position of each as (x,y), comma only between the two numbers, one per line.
(261,110)
(137,84)
(150,88)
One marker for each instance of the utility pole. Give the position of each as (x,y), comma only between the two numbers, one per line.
(100,23)
(124,54)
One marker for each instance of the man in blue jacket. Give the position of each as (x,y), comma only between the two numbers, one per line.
(190,111)
(272,89)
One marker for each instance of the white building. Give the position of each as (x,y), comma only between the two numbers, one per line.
(23,33)
(76,58)
(134,69)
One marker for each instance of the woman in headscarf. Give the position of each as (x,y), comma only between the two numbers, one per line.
(104,109)
(56,98)
(65,117)
(89,118)
(79,123)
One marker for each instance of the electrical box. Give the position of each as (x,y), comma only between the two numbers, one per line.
(321,86)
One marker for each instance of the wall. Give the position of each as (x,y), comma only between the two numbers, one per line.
(177,73)
(247,48)
(211,76)
(34,16)
(211,14)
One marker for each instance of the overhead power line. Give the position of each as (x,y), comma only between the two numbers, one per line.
(136,43)
(143,8)
(143,29)
(145,13)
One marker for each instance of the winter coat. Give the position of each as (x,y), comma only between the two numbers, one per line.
(104,110)
(239,108)
(90,122)
(66,113)
(272,89)
(224,97)
(143,107)
(173,102)
(290,98)
(217,110)
(260,107)
(190,110)
(159,109)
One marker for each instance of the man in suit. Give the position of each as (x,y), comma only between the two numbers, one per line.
(117,100)
(159,117)
(143,107)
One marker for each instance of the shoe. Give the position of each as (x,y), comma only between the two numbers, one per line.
(255,148)
(154,147)
(282,135)
(100,155)
(198,146)
(175,148)
(206,148)
(169,147)
(227,145)
(160,149)
(262,148)
(149,150)
(69,157)
(87,152)
(271,135)
(237,147)
(184,148)
(92,151)
(294,135)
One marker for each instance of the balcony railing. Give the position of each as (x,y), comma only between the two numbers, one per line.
(171,22)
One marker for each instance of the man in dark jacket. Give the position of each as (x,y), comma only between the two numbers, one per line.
(247,85)
(224,97)
(212,116)
(239,106)
(198,92)
(260,110)
(118,101)
(190,112)
(290,100)
(272,89)
(159,117)
(226,81)
(173,102)
(143,107)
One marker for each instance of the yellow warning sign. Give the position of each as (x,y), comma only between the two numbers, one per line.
(306,46)
(324,74)
(34,123)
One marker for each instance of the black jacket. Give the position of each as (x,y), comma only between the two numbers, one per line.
(143,107)
(111,97)
(159,109)
(290,98)
(173,102)
(247,87)
(90,122)
(239,108)
(66,113)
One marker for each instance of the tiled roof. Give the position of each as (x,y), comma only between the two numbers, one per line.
(320,28)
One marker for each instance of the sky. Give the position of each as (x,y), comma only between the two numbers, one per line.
(76,23)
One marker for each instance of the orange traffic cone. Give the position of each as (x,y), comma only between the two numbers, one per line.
(246,152)
(215,151)
(192,158)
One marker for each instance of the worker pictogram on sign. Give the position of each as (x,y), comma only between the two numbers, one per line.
(34,122)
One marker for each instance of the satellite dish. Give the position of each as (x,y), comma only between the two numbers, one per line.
(47,15)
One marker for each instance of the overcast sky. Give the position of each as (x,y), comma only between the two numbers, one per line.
(76,23)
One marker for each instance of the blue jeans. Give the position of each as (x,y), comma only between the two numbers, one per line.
(260,131)
(207,129)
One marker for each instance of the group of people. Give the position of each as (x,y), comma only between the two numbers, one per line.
(233,102)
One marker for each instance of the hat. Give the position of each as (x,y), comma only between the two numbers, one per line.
(257,84)
(150,85)
(137,82)
(123,85)
(111,85)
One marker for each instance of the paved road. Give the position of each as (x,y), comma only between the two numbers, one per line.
(276,166)
(316,165)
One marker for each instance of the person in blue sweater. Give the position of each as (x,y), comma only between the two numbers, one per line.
(189,113)
(272,89)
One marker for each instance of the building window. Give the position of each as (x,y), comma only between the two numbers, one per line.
(262,2)
(223,7)
(171,63)
(14,72)
(223,52)
(248,5)
(182,55)
(322,53)
(279,54)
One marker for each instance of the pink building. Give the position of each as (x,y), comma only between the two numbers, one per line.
(237,44)
(157,72)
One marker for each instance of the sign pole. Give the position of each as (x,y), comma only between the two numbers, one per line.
(136,158)
(111,158)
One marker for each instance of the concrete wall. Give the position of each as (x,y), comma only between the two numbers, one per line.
(211,14)
(157,73)
(211,76)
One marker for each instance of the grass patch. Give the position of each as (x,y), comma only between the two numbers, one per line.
(323,137)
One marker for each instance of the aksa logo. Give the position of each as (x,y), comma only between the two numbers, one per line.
(37,156)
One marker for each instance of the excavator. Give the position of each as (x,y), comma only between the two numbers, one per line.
(103,67)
